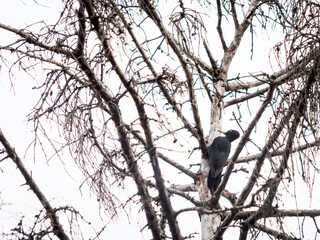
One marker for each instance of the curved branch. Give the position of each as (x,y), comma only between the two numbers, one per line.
(276,79)
(279,77)
(246,97)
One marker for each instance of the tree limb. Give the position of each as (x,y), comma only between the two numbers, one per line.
(241,145)
(275,212)
(51,212)
(147,6)
(144,121)
(298,103)
(279,152)
(231,50)
(219,28)
(274,233)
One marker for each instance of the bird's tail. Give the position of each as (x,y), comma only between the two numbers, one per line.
(213,183)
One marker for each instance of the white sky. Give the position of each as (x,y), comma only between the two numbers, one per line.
(53,180)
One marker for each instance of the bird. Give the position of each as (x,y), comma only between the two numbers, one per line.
(218,153)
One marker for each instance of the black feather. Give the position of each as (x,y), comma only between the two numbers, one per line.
(218,153)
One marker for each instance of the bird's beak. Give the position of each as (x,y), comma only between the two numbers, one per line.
(222,132)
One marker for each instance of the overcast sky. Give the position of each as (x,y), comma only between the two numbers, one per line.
(59,185)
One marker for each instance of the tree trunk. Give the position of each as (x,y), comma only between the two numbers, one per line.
(211,222)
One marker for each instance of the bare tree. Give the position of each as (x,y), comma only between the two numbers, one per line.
(127,85)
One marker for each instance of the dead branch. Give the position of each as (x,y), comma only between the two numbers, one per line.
(51,212)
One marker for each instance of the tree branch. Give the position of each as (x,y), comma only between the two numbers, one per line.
(30,39)
(275,212)
(219,28)
(147,6)
(241,145)
(164,157)
(299,109)
(278,153)
(51,213)
(167,95)
(246,97)
(282,76)
(215,70)
(144,121)
(298,103)
(234,14)
(179,192)
(178,166)
(231,50)
(274,233)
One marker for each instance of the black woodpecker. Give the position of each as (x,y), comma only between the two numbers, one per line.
(218,153)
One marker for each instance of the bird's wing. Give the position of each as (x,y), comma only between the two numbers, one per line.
(218,154)
(215,172)
(217,163)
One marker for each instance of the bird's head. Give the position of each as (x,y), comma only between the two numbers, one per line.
(231,135)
